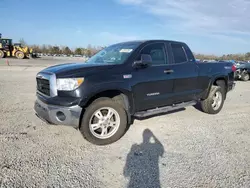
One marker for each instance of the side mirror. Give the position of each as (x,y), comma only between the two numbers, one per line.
(145,61)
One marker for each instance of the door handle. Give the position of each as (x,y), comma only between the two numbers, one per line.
(168,71)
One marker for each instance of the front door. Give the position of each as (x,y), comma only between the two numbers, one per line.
(153,85)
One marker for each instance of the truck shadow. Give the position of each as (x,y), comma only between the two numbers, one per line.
(142,162)
(198,107)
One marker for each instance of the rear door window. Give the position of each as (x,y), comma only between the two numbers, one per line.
(179,54)
(189,53)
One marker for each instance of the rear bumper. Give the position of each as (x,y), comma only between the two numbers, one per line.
(58,115)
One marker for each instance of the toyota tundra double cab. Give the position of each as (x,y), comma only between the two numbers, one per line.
(128,80)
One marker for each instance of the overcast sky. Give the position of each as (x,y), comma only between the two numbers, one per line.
(207,26)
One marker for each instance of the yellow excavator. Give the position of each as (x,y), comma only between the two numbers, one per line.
(7,49)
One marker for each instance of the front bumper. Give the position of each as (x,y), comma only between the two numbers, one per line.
(58,115)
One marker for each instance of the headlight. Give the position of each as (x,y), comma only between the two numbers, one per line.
(68,84)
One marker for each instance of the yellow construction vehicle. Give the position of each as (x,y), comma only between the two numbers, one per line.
(15,50)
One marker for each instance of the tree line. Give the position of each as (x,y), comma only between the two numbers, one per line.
(91,50)
(236,57)
(50,49)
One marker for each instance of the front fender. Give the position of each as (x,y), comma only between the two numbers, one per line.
(108,87)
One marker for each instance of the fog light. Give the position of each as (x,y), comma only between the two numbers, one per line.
(60,116)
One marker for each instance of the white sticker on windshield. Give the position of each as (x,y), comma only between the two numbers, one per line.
(126,50)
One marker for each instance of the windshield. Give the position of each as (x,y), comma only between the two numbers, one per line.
(114,54)
(18,44)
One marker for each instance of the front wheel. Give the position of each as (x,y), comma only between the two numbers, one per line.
(2,54)
(104,122)
(215,101)
(20,55)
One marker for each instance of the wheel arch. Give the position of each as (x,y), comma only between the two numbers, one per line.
(216,81)
(121,96)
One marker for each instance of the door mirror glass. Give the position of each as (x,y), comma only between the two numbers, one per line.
(145,61)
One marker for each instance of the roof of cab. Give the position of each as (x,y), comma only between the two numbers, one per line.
(151,40)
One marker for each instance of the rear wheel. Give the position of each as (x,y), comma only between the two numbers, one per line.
(20,55)
(245,76)
(215,101)
(2,54)
(104,122)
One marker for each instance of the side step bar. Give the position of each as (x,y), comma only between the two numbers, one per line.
(164,109)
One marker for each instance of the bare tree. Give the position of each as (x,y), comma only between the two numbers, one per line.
(67,51)
(22,41)
(78,51)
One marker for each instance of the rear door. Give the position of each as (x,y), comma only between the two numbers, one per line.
(186,72)
(152,86)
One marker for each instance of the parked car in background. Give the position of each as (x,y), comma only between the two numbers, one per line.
(242,71)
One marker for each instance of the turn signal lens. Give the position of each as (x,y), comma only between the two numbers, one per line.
(80,81)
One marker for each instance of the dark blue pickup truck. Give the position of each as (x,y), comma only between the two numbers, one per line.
(129,80)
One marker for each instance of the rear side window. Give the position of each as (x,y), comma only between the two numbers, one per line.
(178,53)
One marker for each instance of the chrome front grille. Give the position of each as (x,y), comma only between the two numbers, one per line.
(43,86)
(46,84)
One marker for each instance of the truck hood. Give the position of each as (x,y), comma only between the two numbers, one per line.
(70,69)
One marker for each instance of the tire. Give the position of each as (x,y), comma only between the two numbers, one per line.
(245,76)
(119,116)
(2,54)
(207,105)
(20,55)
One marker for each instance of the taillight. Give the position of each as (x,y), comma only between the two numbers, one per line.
(234,68)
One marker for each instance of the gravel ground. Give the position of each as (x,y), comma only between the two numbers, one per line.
(38,62)
(183,149)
